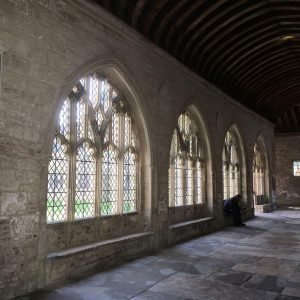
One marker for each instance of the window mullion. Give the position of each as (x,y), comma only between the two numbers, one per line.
(121,162)
(86,118)
(97,186)
(183,182)
(194,183)
(228,180)
(72,162)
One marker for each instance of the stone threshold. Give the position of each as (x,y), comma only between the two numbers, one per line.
(192,222)
(95,246)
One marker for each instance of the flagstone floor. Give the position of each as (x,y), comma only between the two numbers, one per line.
(259,261)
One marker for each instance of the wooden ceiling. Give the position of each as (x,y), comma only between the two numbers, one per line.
(248,48)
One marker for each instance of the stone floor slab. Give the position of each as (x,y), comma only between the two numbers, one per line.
(268,283)
(291,291)
(207,289)
(231,277)
(157,296)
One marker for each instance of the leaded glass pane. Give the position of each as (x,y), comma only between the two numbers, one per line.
(234,156)
(64,119)
(236,183)
(232,181)
(57,196)
(115,126)
(94,91)
(85,182)
(80,120)
(105,96)
(127,131)
(189,183)
(199,182)
(225,181)
(129,183)
(109,182)
(261,183)
(178,182)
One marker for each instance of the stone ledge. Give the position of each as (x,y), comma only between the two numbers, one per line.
(95,246)
(192,222)
(266,208)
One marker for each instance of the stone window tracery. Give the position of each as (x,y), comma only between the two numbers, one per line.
(93,169)
(187,164)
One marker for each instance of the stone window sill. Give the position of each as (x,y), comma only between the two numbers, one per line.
(192,222)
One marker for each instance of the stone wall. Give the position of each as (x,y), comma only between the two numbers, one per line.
(52,43)
(287,149)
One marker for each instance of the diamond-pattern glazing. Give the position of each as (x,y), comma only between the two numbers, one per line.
(178,182)
(127,130)
(94,91)
(129,183)
(57,196)
(199,186)
(109,182)
(105,94)
(85,182)
(189,183)
(115,127)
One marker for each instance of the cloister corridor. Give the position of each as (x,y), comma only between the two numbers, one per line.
(259,261)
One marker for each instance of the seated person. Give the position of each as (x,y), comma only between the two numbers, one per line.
(232,206)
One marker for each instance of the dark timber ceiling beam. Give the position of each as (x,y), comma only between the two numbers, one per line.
(249,49)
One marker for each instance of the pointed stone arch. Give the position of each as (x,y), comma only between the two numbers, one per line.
(191,143)
(234,171)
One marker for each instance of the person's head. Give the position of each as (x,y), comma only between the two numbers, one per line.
(238,198)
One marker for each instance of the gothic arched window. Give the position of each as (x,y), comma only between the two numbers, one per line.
(187,165)
(258,171)
(93,169)
(231,166)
